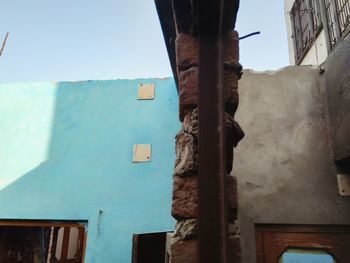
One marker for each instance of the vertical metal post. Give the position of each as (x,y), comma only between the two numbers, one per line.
(212,202)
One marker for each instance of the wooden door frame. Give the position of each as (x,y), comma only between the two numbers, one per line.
(310,236)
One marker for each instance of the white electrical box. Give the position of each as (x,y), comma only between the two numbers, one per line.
(146,91)
(141,153)
(344,184)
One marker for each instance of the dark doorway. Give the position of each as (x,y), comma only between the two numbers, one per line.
(41,242)
(149,248)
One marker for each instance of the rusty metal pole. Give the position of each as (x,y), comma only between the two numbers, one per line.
(213,223)
(4,43)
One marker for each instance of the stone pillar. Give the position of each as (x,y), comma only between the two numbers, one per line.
(184,243)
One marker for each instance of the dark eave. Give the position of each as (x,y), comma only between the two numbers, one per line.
(167,22)
(194,17)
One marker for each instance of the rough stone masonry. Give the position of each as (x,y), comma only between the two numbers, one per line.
(184,243)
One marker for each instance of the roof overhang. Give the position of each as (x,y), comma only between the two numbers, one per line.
(195,17)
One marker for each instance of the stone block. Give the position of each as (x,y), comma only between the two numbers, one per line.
(237,133)
(188,90)
(234,134)
(190,123)
(184,251)
(231,46)
(187,48)
(186,155)
(234,249)
(229,158)
(185,197)
(233,229)
(231,89)
(229,142)
(186,229)
(231,106)
(232,198)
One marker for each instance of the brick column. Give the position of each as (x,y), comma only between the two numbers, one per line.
(184,243)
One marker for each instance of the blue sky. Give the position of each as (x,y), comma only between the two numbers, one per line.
(52,40)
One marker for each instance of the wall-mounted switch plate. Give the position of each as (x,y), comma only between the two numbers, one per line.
(145,91)
(141,153)
(344,184)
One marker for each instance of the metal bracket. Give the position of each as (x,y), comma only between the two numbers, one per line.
(344,184)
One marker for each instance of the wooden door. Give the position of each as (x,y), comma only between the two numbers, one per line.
(272,241)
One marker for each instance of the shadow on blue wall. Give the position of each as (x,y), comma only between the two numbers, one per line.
(89,168)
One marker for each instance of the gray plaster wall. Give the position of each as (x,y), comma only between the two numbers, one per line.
(284,165)
(337,81)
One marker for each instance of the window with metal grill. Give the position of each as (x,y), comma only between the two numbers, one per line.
(337,14)
(316,16)
(331,22)
(306,22)
(343,12)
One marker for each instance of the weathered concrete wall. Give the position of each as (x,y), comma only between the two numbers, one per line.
(337,80)
(284,165)
(66,153)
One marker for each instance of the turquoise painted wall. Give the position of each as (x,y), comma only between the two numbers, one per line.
(66,153)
